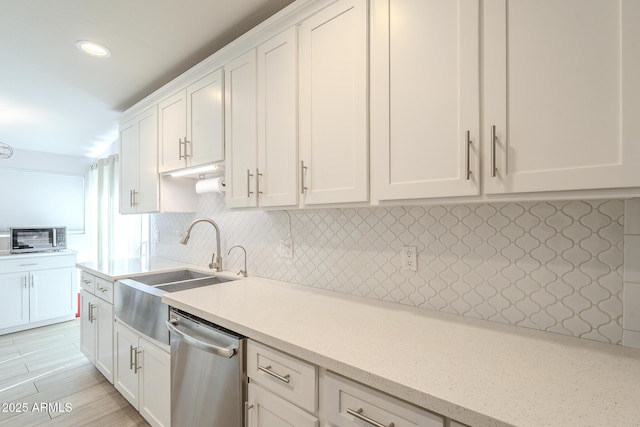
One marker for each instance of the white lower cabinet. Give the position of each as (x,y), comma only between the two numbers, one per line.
(283,390)
(350,404)
(96,323)
(143,374)
(36,290)
(269,410)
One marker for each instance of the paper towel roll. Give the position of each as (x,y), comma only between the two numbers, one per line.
(210,185)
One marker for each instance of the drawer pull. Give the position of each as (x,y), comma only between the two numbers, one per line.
(27,265)
(358,413)
(267,370)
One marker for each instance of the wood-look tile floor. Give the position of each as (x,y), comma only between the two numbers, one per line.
(45,380)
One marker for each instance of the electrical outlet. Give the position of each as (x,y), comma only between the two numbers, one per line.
(409,258)
(286,249)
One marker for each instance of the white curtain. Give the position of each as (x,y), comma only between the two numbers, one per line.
(116,236)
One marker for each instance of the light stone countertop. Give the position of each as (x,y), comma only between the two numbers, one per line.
(477,372)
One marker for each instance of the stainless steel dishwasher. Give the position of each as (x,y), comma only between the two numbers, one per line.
(208,373)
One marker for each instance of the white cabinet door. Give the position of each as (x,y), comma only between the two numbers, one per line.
(277,120)
(172,132)
(139,182)
(240,130)
(561,94)
(104,338)
(155,384)
(333,104)
(14,304)
(128,165)
(425,98)
(88,325)
(269,410)
(51,293)
(148,181)
(205,130)
(125,379)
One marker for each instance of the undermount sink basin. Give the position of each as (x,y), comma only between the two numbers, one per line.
(193,283)
(155,279)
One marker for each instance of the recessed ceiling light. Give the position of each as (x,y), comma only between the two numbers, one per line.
(93,49)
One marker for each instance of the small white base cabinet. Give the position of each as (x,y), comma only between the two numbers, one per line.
(287,391)
(143,374)
(37,290)
(96,322)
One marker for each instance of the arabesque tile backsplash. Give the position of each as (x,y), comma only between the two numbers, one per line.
(553,266)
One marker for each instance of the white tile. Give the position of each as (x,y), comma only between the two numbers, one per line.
(631,338)
(631,306)
(632,216)
(632,259)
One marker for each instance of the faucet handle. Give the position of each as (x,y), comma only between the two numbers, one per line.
(214,263)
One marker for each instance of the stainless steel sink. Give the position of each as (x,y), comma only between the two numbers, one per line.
(155,279)
(138,300)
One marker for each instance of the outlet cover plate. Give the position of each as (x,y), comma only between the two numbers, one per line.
(409,257)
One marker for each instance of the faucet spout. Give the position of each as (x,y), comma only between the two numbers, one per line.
(216,261)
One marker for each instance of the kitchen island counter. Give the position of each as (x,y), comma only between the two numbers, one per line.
(473,371)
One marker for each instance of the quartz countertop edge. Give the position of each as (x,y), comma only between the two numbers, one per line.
(477,372)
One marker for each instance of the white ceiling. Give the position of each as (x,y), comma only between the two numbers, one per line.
(55,99)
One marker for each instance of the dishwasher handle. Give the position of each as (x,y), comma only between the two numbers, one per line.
(227,352)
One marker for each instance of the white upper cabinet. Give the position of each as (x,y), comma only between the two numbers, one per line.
(561,95)
(277,120)
(334,104)
(139,186)
(205,122)
(172,114)
(191,131)
(425,98)
(240,130)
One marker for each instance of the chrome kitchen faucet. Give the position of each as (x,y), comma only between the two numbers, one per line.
(216,262)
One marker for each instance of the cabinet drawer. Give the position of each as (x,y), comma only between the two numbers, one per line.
(88,282)
(349,404)
(267,409)
(36,262)
(104,289)
(284,375)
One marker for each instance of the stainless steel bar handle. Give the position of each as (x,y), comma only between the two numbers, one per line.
(467,162)
(186,141)
(26,265)
(136,368)
(249,176)
(493,151)
(89,312)
(258,175)
(227,352)
(180,144)
(247,406)
(24,281)
(131,362)
(86,281)
(267,370)
(130,198)
(32,281)
(358,413)
(135,198)
(303,169)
